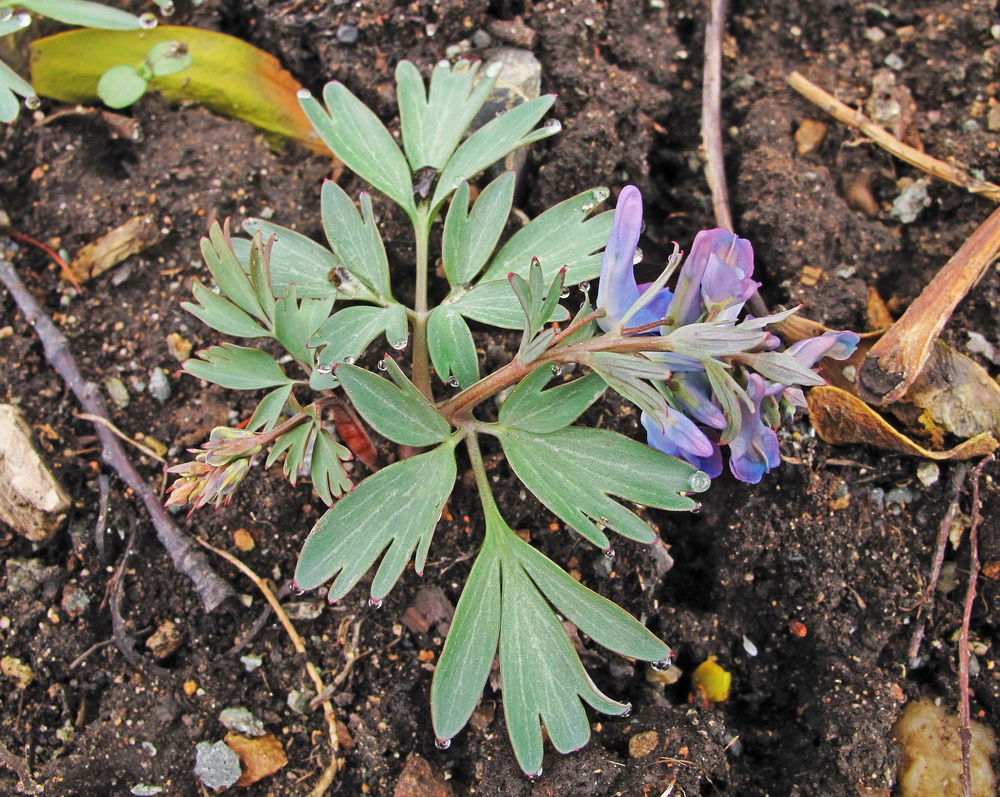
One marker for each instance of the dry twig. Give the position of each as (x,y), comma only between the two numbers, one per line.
(965,731)
(852,118)
(186,557)
(326,780)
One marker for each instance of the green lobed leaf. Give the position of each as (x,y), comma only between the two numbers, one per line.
(10,107)
(237,368)
(121,86)
(347,333)
(259,268)
(295,258)
(507,132)
(293,442)
(12,84)
(84,13)
(469,238)
(327,470)
(536,348)
(396,508)
(471,645)
(221,314)
(401,414)
(354,237)
(217,250)
(295,323)
(496,304)
(575,471)
(356,136)
(543,679)
(452,349)
(270,409)
(564,235)
(433,124)
(529,408)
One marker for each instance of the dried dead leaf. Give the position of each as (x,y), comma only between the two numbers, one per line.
(109,250)
(261,756)
(840,418)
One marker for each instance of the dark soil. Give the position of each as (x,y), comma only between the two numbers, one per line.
(827,544)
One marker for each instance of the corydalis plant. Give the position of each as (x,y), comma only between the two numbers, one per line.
(325,305)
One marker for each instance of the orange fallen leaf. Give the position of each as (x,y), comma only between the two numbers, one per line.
(261,756)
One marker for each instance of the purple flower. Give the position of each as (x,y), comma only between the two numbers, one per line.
(715,277)
(836,345)
(618,290)
(754,450)
(684,440)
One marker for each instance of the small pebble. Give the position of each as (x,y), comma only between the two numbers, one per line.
(178,346)
(928,473)
(251,663)
(894,61)
(117,392)
(481,39)
(238,718)
(347,34)
(809,136)
(642,744)
(217,765)
(165,640)
(298,702)
(243,540)
(159,385)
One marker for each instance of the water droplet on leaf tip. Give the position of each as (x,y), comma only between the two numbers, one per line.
(399,345)
(148,21)
(534,775)
(349,360)
(32,103)
(584,286)
(696,509)
(553,124)
(453,381)
(303,94)
(324,368)
(610,553)
(375,603)
(663,665)
(23,20)
(167,8)
(298,591)
(637,256)
(381,365)
(627,712)
(442,744)
(600,194)
(6,14)
(564,293)
(556,369)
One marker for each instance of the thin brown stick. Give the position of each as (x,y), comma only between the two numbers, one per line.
(926,604)
(119,433)
(326,779)
(711,114)
(52,253)
(965,731)
(25,783)
(896,360)
(186,557)
(849,116)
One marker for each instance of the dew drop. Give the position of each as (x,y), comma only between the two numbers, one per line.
(600,194)
(381,365)
(375,603)
(603,520)
(167,8)
(23,20)
(564,293)
(494,69)
(453,381)
(399,345)
(6,14)
(534,775)
(637,256)
(442,744)
(298,591)
(663,665)
(32,103)
(324,368)
(584,286)
(610,553)
(350,360)
(556,369)
(303,94)
(749,646)
(696,509)
(148,21)
(700,482)
(553,125)
(627,712)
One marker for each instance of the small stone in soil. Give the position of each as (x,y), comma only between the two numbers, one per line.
(238,718)
(217,766)
(159,385)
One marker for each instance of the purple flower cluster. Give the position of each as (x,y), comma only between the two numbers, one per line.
(728,385)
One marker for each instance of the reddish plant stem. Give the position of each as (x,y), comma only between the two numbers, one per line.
(211,588)
(965,731)
(52,253)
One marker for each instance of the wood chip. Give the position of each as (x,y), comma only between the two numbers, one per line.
(109,250)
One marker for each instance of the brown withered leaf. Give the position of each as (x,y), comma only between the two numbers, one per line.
(261,756)
(840,417)
(109,250)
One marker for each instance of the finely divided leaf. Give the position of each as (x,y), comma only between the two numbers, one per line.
(396,508)
(433,126)
(494,303)
(575,470)
(294,258)
(532,409)
(470,237)
(452,349)
(217,249)
(507,132)
(296,322)
(360,140)
(221,314)
(354,237)
(468,653)
(561,236)
(328,476)
(347,332)
(295,443)
(401,414)
(269,411)
(237,368)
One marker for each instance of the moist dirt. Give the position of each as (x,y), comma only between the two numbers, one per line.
(806,588)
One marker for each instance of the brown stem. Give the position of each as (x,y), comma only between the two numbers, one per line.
(711,115)
(186,557)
